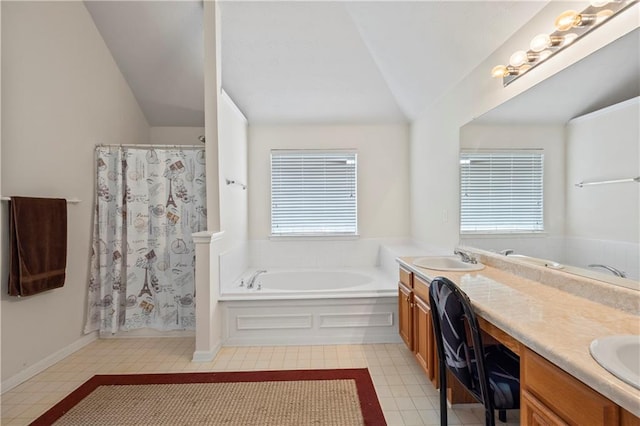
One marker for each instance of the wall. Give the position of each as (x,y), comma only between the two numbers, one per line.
(383,186)
(232,153)
(603,223)
(175,135)
(62,93)
(383,192)
(549,138)
(435,133)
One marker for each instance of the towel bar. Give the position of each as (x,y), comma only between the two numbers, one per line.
(69,201)
(604,182)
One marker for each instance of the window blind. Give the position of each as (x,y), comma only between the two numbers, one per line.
(313,192)
(501,192)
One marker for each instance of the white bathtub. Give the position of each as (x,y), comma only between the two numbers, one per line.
(311,306)
(311,283)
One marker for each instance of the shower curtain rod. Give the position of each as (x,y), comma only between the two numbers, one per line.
(150,146)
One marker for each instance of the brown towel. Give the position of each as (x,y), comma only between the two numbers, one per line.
(38,244)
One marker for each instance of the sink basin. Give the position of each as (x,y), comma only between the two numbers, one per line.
(447,263)
(620,355)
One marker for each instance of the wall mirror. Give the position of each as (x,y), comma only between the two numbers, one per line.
(585,122)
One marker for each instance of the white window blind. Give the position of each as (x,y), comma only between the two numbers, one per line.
(501,192)
(313,193)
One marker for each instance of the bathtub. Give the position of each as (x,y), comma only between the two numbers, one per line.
(311,306)
(311,283)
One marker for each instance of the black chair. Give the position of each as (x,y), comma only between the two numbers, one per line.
(490,373)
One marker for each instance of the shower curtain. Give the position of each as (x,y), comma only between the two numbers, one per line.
(148,203)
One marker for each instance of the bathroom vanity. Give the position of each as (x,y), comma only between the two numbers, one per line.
(550,326)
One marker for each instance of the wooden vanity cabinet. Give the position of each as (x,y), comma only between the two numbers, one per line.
(415,325)
(551,397)
(423,338)
(405,307)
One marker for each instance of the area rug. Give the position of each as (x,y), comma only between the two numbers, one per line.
(341,397)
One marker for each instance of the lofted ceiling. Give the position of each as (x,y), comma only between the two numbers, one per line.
(305,62)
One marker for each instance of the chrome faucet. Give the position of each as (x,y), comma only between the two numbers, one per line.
(466,257)
(252,280)
(614,271)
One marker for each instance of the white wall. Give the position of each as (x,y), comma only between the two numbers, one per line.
(232,152)
(62,93)
(234,212)
(383,175)
(600,146)
(603,221)
(175,135)
(435,133)
(549,138)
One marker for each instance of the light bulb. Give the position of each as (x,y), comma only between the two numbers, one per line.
(599,3)
(518,58)
(499,71)
(569,38)
(544,55)
(540,42)
(566,20)
(603,15)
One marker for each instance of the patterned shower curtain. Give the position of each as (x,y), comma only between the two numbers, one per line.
(148,203)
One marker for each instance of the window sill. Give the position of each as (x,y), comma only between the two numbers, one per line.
(521,234)
(310,237)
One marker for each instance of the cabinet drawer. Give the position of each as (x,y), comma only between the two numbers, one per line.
(534,413)
(421,289)
(406,277)
(569,398)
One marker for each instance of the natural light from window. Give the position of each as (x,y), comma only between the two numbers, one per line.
(313,193)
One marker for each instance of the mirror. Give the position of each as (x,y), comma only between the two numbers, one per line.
(587,127)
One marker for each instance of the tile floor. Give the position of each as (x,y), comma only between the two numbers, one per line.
(406,396)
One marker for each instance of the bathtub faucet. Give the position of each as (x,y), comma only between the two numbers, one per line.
(614,271)
(252,280)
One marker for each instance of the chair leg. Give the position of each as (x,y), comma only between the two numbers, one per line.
(443,393)
(502,416)
(489,417)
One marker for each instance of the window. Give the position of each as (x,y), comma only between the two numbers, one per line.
(313,193)
(501,192)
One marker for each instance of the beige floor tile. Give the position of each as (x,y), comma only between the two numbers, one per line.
(430,417)
(393,418)
(411,417)
(406,395)
(405,403)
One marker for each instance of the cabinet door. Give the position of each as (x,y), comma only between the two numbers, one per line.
(423,335)
(535,413)
(405,317)
(569,398)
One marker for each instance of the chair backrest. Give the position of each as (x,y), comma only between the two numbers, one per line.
(450,308)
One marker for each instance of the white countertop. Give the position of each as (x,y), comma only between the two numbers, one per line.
(556,324)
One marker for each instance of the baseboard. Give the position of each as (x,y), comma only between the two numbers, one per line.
(47,362)
(206,356)
(147,332)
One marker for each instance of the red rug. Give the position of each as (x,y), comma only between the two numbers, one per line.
(366,395)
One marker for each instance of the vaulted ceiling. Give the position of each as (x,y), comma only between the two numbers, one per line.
(305,62)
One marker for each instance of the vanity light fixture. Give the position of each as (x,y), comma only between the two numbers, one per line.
(569,27)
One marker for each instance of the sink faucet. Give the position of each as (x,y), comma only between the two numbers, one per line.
(614,271)
(507,252)
(466,257)
(252,280)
